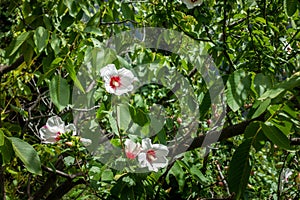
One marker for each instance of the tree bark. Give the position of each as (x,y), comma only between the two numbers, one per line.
(4,68)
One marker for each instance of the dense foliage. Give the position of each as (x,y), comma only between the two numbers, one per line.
(244,96)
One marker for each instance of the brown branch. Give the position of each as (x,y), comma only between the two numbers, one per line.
(61,173)
(4,68)
(224,37)
(2,185)
(295,141)
(64,188)
(233,24)
(50,182)
(226,133)
(118,22)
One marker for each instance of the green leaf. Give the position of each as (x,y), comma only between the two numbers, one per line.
(6,151)
(72,6)
(261,108)
(275,135)
(71,70)
(28,53)
(15,44)
(251,129)
(140,117)
(55,43)
(239,169)
(194,170)
(281,87)
(283,125)
(238,85)
(41,37)
(178,173)
(113,124)
(66,21)
(27,155)
(107,175)
(1,137)
(260,19)
(59,92)
(290,7)
(261,83)
(127,11)
(123,116)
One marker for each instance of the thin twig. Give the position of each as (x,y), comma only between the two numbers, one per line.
(118,22)
(61,173)
(222,177)
(279,177)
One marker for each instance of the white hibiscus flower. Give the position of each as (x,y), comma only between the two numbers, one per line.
(132,149)
(153,156)
(192,3)
(50,133)
(117,82)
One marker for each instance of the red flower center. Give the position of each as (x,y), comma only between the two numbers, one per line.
(115,82)
(151,156)
(57,138)
(130,155)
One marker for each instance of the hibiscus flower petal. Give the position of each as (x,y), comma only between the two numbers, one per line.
(160,149)
(146,143)
(108,71)
(46,135)
(69,128)
(55,124)
(190,4)
(126,73)
(142,158)
(121,90)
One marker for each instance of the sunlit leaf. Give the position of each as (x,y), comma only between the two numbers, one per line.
(275,135)
(41,37)
(238,86)
(15,44)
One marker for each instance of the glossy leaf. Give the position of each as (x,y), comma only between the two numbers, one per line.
(238,86)
(16,44)
(70,68)
(55,43)
(281,87)
(41,37)
(290,7)
(27,155)
(275,135)
(261,108)
(261,83)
